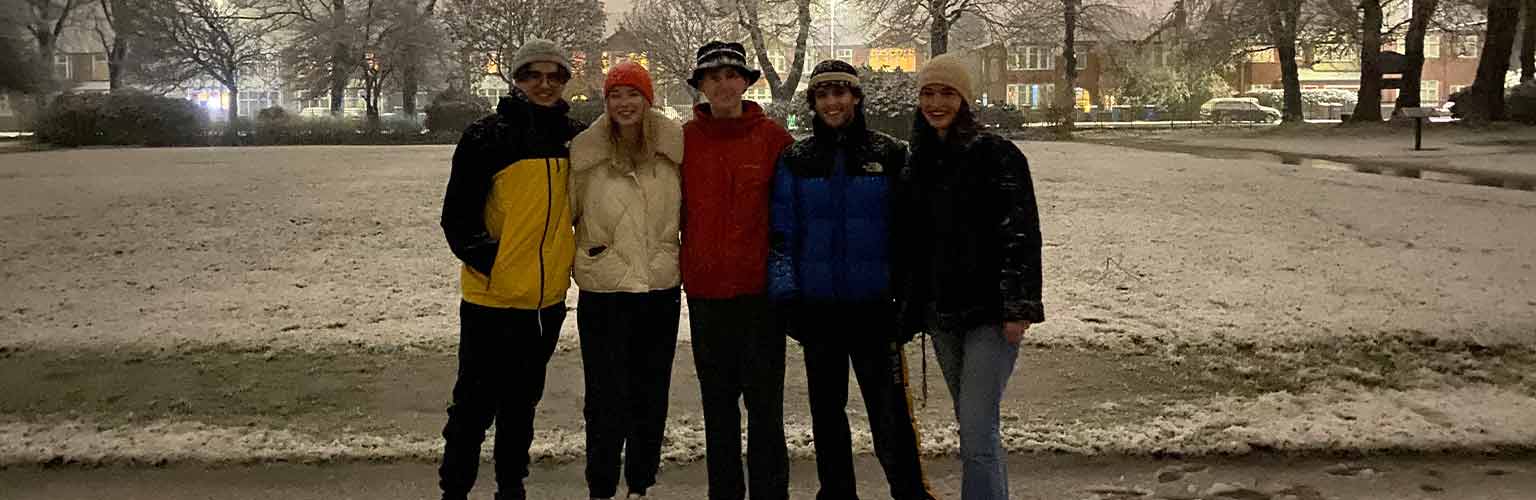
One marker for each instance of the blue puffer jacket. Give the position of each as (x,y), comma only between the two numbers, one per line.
(830,240)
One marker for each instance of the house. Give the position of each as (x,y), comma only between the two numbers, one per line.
(1451,56)
(79,65)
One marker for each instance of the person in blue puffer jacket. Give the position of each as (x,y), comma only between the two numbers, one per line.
(830,275)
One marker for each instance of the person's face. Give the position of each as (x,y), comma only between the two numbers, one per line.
(544,82)
(939,105)
(835,104)
(723,86)
(626,106)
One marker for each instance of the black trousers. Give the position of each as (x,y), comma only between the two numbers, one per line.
(739,355)
(502,357)
(627,344)
(882,375)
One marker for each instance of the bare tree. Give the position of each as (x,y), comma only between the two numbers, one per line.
(23,73)
(320,56)
(902,18)
(1284,27)
(1368,104)
(46,20)
(1488,88)
(1065,20)
(420,37)
(750,17)
(1413,75)
(673,30)
(112,29)
(214,39)
(495,29)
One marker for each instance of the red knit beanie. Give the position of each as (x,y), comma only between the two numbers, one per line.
(633,75)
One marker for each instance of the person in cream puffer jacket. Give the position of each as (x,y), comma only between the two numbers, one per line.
(626,201)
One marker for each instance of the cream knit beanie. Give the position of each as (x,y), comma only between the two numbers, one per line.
(948,70)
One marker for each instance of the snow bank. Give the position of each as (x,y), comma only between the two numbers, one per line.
(1343,419)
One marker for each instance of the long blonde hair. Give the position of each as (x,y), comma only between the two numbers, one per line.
(629,156)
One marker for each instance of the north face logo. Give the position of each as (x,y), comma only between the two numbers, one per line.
(874,168)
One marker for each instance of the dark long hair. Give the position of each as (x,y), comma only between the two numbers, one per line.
(924,136)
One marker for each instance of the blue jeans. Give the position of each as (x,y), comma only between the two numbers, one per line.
(976,366)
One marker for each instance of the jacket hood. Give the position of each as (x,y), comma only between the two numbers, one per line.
(594,146)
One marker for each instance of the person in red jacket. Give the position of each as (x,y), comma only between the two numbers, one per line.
(729,151)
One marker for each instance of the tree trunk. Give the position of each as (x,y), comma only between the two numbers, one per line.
(115,59)
(1283,30)
(233,112)
(1413,76)
(409,85)
(787,90)
(938,28)
(1528,44)
(1488,89)
(339,65)
(1067,97)
(1368,105)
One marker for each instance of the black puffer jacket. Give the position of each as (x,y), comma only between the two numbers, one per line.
(974,244)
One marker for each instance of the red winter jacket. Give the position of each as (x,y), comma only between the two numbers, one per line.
(727,169)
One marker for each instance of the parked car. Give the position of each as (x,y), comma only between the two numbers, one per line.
(1235,109)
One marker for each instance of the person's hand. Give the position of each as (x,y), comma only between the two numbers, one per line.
(1013,331)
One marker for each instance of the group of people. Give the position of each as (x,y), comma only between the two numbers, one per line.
(847,241)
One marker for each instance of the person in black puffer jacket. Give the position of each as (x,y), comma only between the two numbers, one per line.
(829,265)
(973,277)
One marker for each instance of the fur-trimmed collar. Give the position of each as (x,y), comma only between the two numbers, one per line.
(594,146)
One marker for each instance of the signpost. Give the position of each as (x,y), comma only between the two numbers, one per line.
(1418,115)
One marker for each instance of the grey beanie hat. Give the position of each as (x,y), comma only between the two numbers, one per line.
(541,50)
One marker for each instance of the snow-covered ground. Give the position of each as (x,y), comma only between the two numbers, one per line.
(298,304)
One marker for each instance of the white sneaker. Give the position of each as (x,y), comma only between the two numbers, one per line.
(633,495)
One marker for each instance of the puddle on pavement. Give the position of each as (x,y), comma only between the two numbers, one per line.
(1390,171)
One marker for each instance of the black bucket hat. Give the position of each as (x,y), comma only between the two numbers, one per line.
(719,54)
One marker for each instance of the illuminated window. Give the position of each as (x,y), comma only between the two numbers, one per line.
(1031,58)
(100,70)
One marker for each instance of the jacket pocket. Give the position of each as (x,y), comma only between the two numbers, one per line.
(599,267)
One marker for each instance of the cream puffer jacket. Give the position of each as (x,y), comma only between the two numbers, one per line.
(626,214)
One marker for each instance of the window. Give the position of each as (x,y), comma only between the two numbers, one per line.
(845,54)
(778,63)
(61,69)
(1468,46)
(100,70)
(759,94)
(1031,58)
(1030,95)
(1458,88)
(253,102)
(1257,86)
(5,105)
(1431,46)
(1262,56)
(1082,54)
(1429,93)
(491,94)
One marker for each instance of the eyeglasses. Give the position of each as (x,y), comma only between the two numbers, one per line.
(551,78)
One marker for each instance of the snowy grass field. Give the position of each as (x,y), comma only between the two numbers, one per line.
(163,306)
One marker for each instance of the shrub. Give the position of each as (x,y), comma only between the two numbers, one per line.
(453,110)
(121,118)
(1465,106)
(890,101)
(1000,116)
(1521,103)
(587,111)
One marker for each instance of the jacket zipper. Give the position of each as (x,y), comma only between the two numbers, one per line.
(549,206)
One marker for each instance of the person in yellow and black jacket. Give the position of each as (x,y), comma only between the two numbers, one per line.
(507,216)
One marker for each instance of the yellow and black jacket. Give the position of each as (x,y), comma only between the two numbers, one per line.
(506,213)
